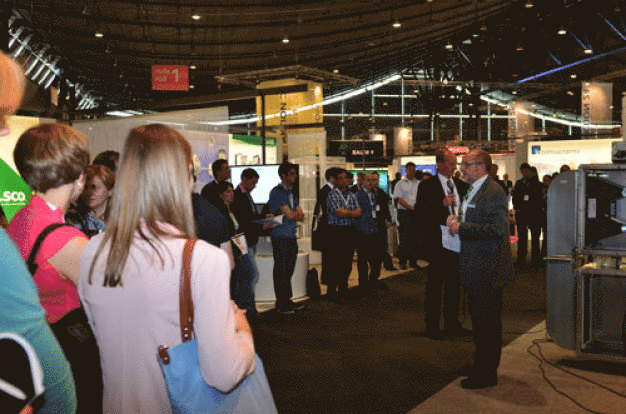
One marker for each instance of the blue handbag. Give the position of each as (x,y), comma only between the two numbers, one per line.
(187,390)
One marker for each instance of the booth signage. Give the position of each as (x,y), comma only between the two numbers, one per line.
(170,78)
(595,103)
(14,192)
(355,150)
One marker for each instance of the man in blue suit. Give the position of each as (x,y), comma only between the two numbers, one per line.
(484,263)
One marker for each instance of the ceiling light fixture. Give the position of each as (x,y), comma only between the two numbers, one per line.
(191,86)
(514,92)
(99,35)
(529,4)
(192,67)
(573,76)
(396,25)
(449,46)
(335,70)
(195,16)
(588,51)
(520,47)
(483,27)
(570,93)
(562,31)
(285,40)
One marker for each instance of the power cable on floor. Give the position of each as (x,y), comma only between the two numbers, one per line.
(541,358)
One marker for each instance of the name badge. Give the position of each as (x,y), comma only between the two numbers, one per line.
(377,207)
(526,197)
(373,213)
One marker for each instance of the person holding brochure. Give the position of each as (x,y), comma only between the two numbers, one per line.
(284,244)
(484,264)
(437,198)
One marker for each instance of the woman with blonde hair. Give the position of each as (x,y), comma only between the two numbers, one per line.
(129,280)
(91,213)
(52,158)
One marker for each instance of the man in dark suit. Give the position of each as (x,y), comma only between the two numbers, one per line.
(437,198)
(484,264)
(320,211)
(527,202)
(221,172)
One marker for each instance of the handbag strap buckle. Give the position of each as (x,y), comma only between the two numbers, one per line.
(163,354)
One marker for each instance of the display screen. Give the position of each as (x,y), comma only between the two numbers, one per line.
(268,179)
(430,168)
(383,178)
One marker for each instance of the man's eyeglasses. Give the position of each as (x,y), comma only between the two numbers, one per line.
(468,164)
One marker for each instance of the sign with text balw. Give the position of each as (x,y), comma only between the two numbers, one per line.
(595,103)
(170,78)
(357,150)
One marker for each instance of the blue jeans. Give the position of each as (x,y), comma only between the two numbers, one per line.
(285,254)
(245,276)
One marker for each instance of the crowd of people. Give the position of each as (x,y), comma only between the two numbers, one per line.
(103,243)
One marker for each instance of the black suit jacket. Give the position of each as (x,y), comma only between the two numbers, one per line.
(431,213)
(244,214)
(211,225)
(318,237)
(384,215)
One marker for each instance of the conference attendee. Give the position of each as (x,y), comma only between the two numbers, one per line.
(109,159)
(130,277)
(245,212)
(52,158)
(384,222)
(395,181)
(283,201)
(221,172)
(321,213)
(369,244)
(493,173)
(484,264)
(90,214)
(438,198)
(211,225)
(564,167)
(405,194)
(360,178)
(22,314)
(343,209)
(527,200)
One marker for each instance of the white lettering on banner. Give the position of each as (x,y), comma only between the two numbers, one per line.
(13,196)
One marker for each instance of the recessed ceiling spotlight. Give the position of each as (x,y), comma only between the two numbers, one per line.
(570,93)
(483,27)
(195,16)
(514,92)
(99,35)
(519,47)
(191,86)
(573,76)
(588,51)
(529,4)
(285,40)
(562,31)
(449,46)
(192,67)
(335,70)
(396,25)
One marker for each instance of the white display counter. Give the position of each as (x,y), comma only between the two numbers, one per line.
(264,289)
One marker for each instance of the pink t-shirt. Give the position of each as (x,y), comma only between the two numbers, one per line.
(58,295)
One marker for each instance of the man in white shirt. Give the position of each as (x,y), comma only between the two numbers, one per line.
(405,194)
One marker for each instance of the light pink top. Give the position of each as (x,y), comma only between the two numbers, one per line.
(58,295)
(132,320)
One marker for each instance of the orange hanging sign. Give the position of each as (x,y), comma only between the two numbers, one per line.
(170,78)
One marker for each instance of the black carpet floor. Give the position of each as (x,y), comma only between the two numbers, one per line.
(367,355)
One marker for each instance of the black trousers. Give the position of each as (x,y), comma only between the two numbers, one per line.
(408,236)
(369,248)
(341,252)
(443,274)
(285,256)
(485,307)
(523,225)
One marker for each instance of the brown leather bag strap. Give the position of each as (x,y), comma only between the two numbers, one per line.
(185,299)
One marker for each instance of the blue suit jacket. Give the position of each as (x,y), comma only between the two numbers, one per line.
(485,258)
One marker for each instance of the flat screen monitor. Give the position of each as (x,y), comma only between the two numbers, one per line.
(383,178)
(268,179)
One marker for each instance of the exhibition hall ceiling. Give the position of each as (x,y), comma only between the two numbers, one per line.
(108,47)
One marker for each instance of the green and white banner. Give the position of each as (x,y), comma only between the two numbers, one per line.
(14,192)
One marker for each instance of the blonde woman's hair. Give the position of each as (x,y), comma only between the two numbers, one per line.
(152,186)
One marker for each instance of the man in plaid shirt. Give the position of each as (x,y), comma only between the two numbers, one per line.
(343,210)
